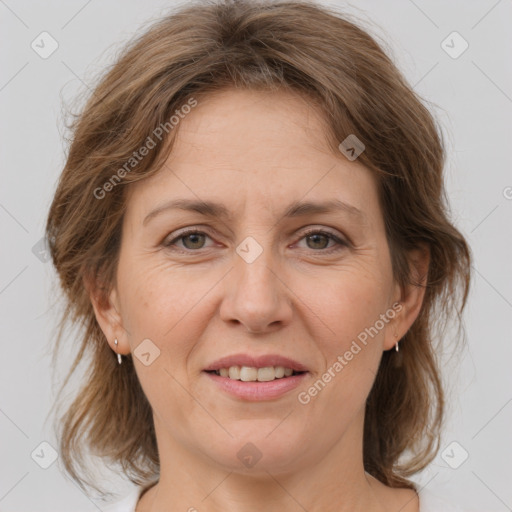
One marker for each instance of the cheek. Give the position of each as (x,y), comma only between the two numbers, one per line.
(154,296)
(349,303)
(160,305)
(350,310)
(167,306)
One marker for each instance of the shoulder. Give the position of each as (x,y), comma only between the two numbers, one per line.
(125,504)
(430,502)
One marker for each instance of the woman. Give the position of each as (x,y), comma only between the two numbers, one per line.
(251,228)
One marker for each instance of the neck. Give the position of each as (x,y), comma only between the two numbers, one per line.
(335,481)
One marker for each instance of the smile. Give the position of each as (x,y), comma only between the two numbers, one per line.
(252,374)
(245,383)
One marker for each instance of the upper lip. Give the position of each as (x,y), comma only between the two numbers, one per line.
(261,361)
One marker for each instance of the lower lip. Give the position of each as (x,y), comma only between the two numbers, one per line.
(257,391)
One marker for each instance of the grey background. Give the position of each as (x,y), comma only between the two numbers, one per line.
(472,97)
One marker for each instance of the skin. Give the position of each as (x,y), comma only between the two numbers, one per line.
(256,152)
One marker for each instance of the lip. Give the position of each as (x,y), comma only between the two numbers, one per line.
(257,391)
(256,362)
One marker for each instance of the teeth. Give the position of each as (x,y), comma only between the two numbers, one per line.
(248,374)
(234,372)
(252,374)
(279,372)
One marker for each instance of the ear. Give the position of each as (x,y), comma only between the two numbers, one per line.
(410,297)
(107,312)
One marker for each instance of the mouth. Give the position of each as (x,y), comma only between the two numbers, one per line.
(254,377)
(254,374)
(243,383)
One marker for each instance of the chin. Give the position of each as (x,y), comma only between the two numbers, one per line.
(257,453)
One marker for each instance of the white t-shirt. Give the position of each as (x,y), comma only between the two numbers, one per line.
(429,502)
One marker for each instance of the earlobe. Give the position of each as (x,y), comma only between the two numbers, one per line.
(412,296)
(106,310)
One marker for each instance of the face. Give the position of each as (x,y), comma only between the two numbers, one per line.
(259,277)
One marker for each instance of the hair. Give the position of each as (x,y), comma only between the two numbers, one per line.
(294,46)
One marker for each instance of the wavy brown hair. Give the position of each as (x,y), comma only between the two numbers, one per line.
(297,46)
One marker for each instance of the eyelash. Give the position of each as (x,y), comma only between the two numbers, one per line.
(341,243)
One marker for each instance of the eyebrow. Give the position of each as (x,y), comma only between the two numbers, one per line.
(295,209)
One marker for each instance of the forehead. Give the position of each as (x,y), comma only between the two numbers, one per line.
(277,125)
(254,149)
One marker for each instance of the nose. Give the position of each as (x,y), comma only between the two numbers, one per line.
(256,296)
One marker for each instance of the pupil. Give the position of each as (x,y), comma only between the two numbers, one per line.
(191,237)
(315,236)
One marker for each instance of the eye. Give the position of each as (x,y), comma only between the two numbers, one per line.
(319,238)
(192,239)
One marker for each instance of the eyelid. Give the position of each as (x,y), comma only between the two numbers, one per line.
(321,229)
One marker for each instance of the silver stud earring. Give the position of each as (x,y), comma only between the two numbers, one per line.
(119,358)
(396,344)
